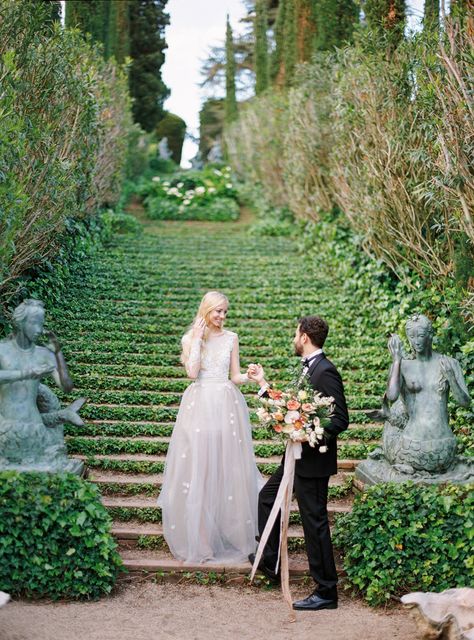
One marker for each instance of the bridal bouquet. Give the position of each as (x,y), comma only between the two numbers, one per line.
(299,415)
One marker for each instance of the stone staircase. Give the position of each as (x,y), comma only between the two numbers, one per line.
(121,329)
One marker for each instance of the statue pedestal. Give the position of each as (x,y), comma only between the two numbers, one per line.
(67,465)
(371,472)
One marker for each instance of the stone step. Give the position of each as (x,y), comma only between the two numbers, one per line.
(143,502)
(130,532)
(166,440)
(352,425)
(156,479)
(162,562)
(343,465)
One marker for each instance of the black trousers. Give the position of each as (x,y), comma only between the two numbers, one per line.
(312,497)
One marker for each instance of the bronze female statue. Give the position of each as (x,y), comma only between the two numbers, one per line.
(31,420)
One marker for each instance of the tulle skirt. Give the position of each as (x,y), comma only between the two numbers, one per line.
(211,482)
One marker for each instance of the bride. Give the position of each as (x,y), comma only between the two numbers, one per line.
(211,481)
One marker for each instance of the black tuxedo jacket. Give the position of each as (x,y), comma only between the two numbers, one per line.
(325,378)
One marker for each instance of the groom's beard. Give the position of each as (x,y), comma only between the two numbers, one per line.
(298,350)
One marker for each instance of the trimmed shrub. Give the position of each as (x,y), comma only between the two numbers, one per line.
(173,128)
(55,537)
(406,537)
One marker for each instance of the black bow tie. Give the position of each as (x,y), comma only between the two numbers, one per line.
(307,361)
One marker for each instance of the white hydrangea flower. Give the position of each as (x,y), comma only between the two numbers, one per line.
(200,190)
(156,179)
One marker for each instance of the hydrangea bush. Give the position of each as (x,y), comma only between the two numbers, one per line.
(208,194)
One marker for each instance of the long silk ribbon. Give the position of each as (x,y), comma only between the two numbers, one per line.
(282,503)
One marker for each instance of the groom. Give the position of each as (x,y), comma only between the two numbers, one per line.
(312,471)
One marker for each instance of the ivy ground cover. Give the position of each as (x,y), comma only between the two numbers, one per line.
(121,328)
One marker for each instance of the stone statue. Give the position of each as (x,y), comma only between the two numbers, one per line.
(418,443)
(215,152)
(163,150)
(31,418)
(196,162)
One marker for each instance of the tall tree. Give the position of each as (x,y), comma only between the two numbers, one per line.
(276,64)
(118,43)
(336,21)
(211,124)
(90,16)
(147,44)
(387,18)
(431,14)
(307,28)
(230,97)
(290,42)
(261,47)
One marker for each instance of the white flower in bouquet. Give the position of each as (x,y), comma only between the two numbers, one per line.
(292,416)
(323,448)
(302,394)
(263,415)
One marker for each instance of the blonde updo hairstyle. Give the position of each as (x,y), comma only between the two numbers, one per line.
(210,301)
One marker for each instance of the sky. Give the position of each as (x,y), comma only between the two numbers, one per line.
(196,25)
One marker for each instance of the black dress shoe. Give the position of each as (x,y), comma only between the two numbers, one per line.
(314,603)
(262,567)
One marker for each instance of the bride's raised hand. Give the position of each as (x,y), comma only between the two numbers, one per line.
(255,372)
(198,329)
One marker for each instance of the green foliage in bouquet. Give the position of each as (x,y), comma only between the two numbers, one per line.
(192,195)
(55,537)
(403,537)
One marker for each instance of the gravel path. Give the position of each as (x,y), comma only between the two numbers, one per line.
(192,612)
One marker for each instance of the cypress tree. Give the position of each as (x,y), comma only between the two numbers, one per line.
(431,14)
(147,44)
(336,22)
(290,42)
(276,65)
(387,18)
(90,16)
(211,124)
(231,112)
(306,28)
(118,41)
(261,46)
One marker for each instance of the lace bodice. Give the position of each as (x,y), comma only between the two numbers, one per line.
(215,356)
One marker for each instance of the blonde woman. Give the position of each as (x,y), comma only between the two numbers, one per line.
(211,482)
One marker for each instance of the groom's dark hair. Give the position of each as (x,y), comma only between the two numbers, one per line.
(315,328)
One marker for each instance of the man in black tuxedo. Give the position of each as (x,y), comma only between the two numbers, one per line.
(312,471)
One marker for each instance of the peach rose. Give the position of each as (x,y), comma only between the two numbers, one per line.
(293,405)
(307,406)
(277,428)
(274,395)
(279,416)
(298,425)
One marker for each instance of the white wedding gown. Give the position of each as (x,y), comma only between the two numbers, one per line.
(211,482)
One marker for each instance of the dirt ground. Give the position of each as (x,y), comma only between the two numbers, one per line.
(148,611)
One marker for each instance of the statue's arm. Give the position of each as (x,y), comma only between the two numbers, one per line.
(60,374)
(453,372)
(13,375)
(394,377)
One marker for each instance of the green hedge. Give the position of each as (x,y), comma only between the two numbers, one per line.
(405,537)
(55,537)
